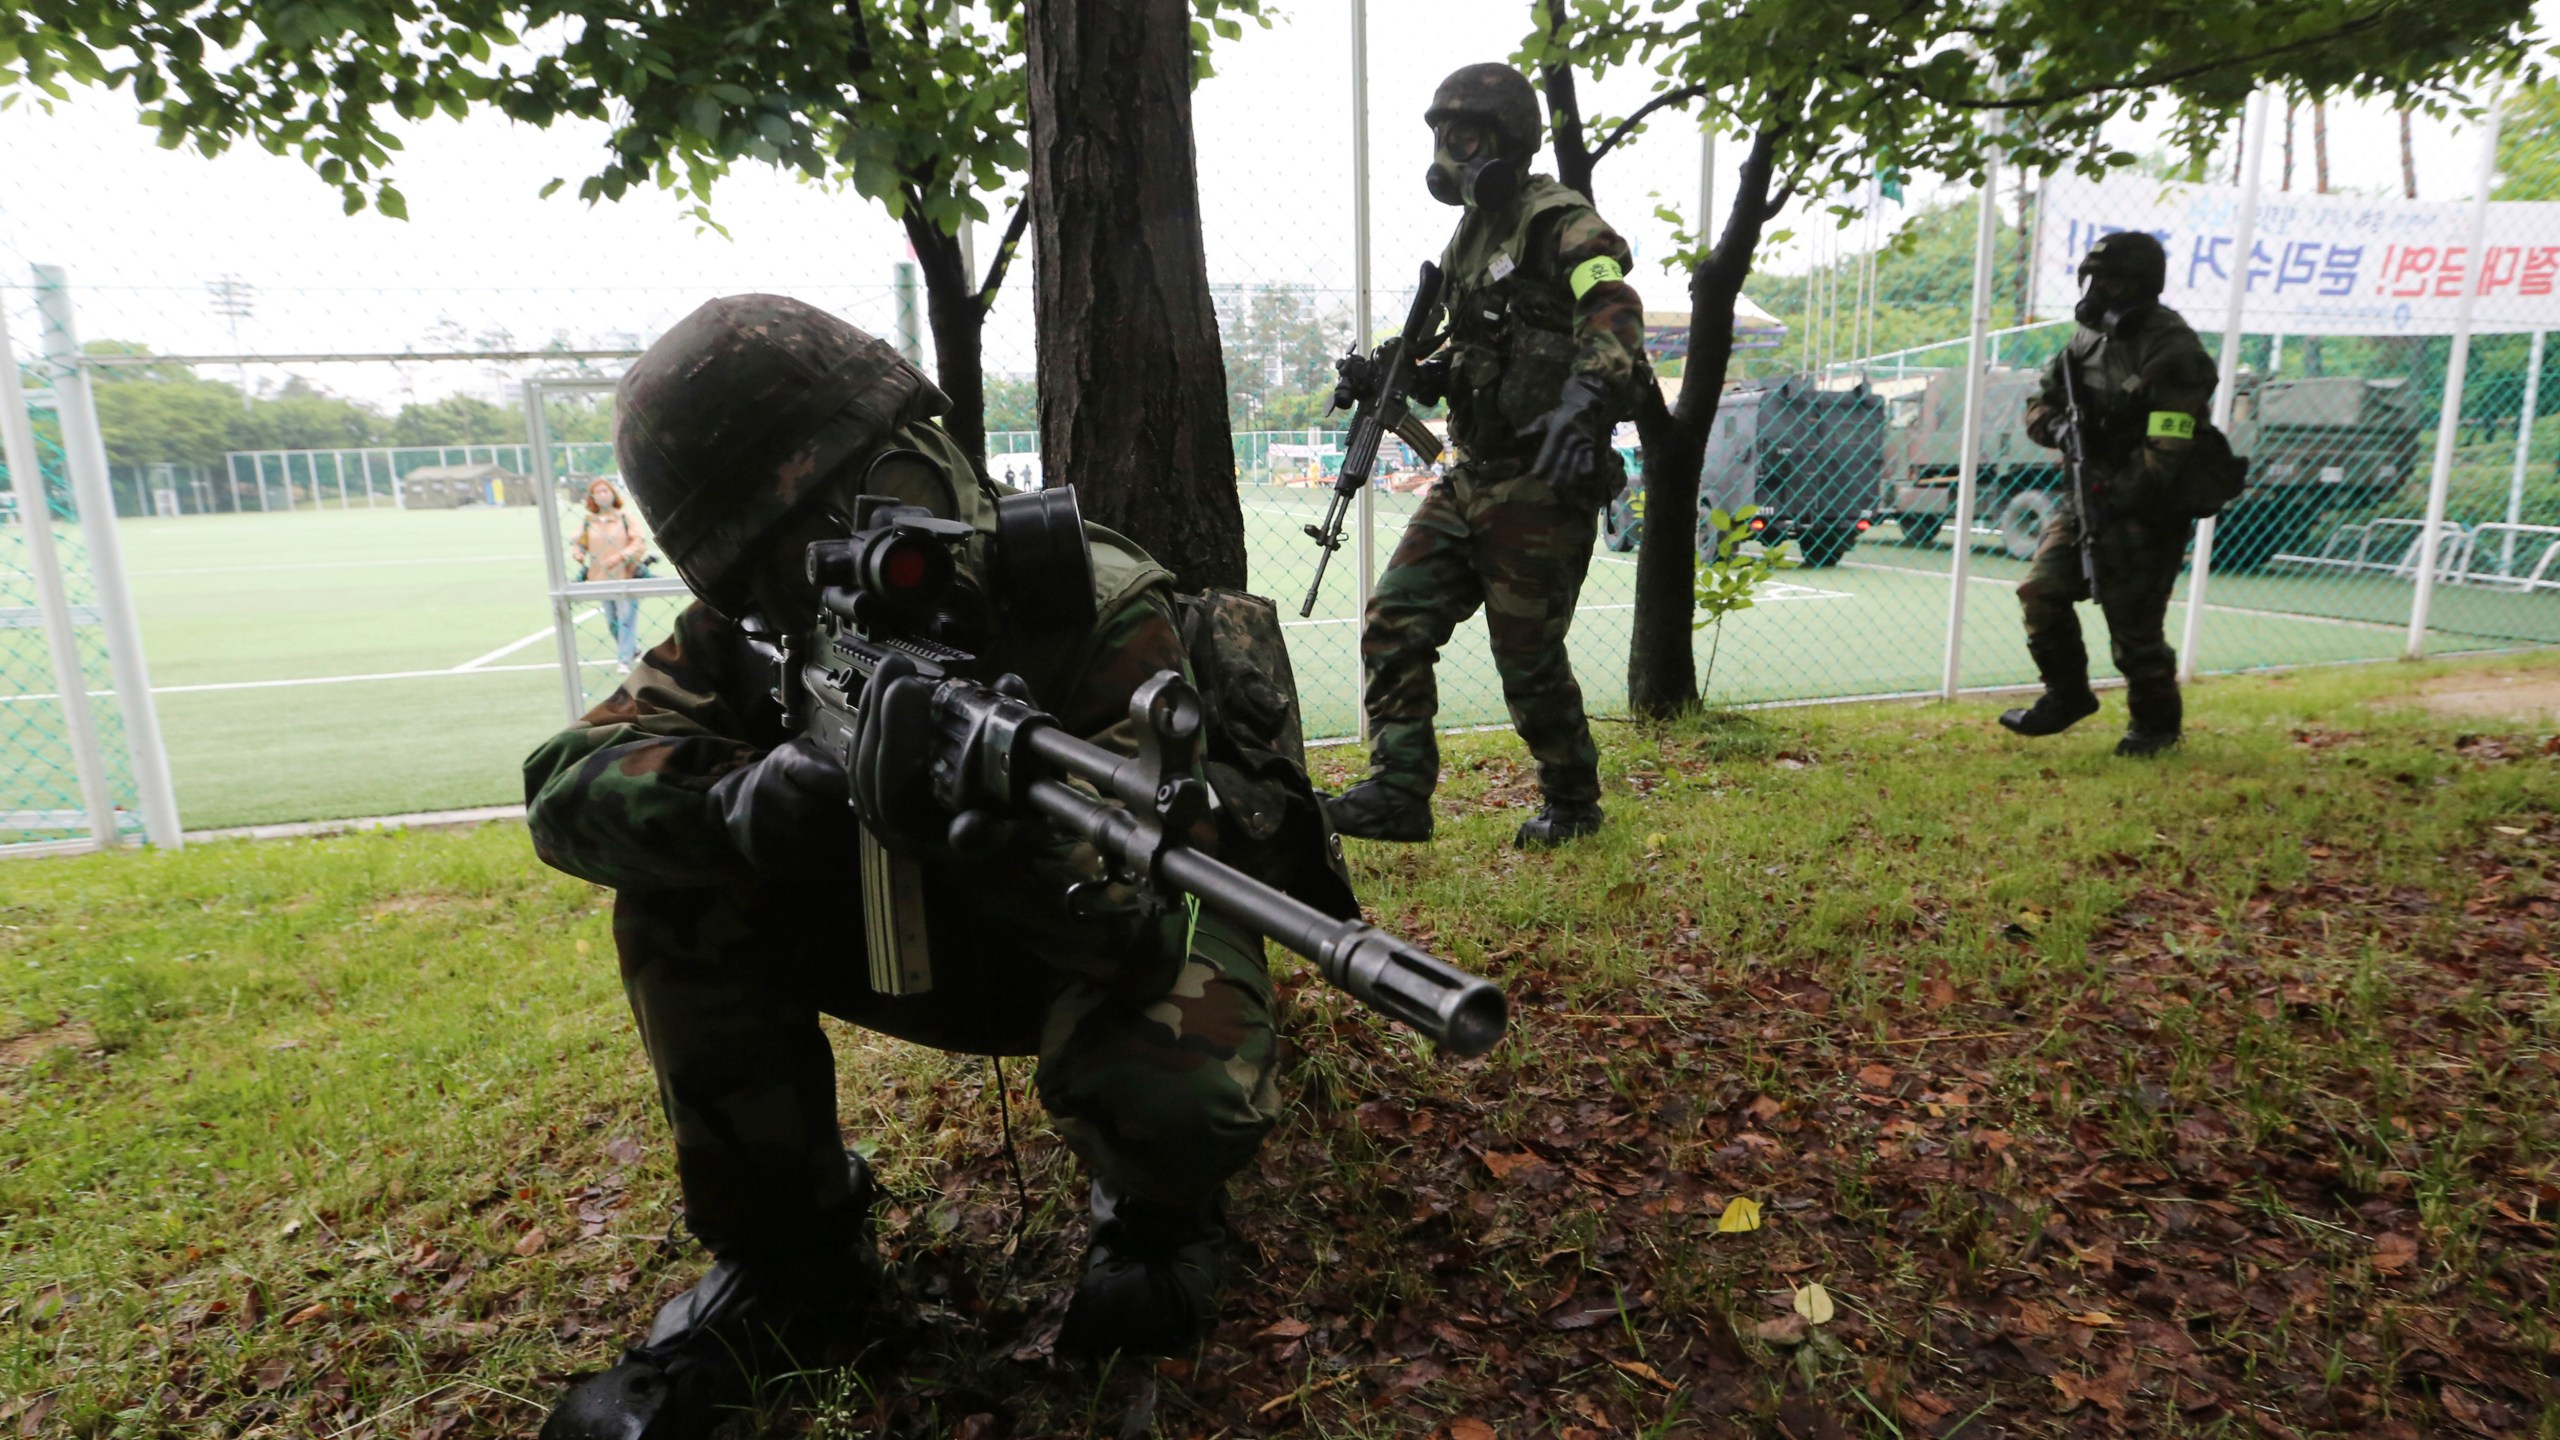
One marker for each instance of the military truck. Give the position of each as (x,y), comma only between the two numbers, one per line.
(1811,458)
(2320,450)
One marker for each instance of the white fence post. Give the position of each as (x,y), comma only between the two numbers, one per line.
(85,456)
(2226,390)
(2457,363)
(53,602)
(1977,383)
(1366,512)
(2524,452)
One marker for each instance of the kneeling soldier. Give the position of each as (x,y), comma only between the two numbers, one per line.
(745,434)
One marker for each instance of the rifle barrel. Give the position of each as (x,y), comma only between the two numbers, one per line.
(1457,1011)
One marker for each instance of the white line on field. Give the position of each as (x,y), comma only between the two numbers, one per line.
(335,565)
(1796,592)
(2252,612)
(33,699)
(513,646)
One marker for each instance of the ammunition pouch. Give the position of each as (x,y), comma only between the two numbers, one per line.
(1270,823)
(2211,477)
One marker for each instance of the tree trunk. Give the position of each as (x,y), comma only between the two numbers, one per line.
(959,322)
(2320,184)
(2320,146)
(1133,408)
(1564,112)
(2408,158)
(1662,667)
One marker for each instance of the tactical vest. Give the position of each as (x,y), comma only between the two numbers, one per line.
(1510,321)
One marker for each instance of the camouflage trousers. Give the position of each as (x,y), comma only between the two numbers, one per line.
(1163,1089)
(2138,562)
(1490,536)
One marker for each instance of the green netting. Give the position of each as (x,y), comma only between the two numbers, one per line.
(41,799)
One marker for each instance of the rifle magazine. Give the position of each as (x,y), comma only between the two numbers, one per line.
(893,921)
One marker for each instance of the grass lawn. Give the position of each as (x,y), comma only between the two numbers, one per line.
(2209,1096)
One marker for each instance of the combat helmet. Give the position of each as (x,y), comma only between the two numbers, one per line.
(742,411)
(2134,257)
(1497,95)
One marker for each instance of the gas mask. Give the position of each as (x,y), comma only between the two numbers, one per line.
(2108,301)
(1465,171)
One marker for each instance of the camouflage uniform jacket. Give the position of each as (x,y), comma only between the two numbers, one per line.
(2144,396)
(621,798)
(1535,293)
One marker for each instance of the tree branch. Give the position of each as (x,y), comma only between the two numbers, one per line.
(1564,112)
(1003,258)
(1626,127)
(2153,79)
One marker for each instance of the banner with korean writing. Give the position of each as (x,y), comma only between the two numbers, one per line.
(2318,264)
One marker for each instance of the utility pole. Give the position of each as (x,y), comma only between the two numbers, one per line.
(235,300)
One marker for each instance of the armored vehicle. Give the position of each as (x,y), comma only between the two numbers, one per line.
(2320,450)
(1811,458)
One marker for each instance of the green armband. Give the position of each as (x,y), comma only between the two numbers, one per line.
(2172,425)
(1598,270)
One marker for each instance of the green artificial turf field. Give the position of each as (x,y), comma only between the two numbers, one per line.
(331,663)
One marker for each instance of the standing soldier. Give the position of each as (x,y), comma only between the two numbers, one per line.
(745,433)
(1546,354)
(2144,385)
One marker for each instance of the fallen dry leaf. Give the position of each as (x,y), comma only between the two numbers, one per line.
(1876,1077)
(2104,1391)
(1290,1329)
(1814,1304)
(1785,1330)
(1642,1371)
(533,1241)
(1469,1428)
(1741,1214)
(2394,1252)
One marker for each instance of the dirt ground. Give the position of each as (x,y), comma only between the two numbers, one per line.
(2531,696)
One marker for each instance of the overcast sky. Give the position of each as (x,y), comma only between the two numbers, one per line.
(144,231)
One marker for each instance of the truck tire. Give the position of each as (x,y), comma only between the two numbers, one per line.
(2022,522)
(1921,529)
(1822,546)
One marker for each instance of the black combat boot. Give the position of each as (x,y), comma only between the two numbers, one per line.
(710,1344)
(1557,822)
(2063,665)
(2158,719)
(1376,810)
(1151,1278)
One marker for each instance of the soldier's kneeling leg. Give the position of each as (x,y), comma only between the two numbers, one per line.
(709,1345)
(748,1084)
(1164,1096)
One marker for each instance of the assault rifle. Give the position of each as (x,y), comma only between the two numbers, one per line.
(2075,458)
(961,760)
(1377,389)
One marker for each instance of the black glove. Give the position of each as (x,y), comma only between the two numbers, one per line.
(892,760)
(790,811)
(1570,436)
(1430,381)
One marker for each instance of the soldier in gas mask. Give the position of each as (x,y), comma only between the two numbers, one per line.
(2145,387)
(744,434)
(1545,357)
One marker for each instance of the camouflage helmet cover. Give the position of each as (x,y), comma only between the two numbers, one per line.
(1496,95)
(2134,256)
(742,411)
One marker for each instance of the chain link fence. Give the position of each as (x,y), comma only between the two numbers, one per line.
(353,510)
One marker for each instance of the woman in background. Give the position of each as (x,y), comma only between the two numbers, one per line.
(610,547)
